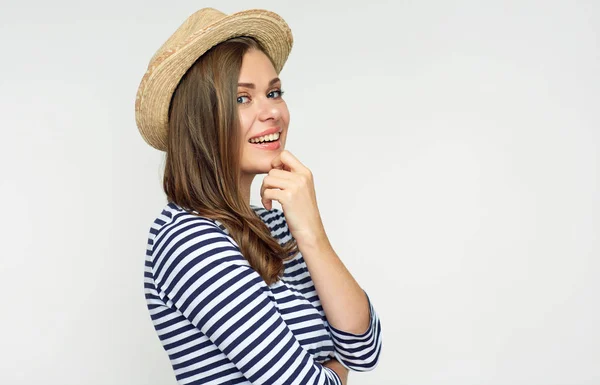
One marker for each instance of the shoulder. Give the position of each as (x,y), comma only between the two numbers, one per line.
(175,226)
(191,245)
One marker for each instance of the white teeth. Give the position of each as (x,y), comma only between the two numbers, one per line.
(270,137)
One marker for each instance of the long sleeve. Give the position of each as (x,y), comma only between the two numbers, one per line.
(359,352)
(201,272)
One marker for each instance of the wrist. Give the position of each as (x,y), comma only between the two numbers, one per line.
(313,242)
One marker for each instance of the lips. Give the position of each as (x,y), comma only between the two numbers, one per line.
(275,145)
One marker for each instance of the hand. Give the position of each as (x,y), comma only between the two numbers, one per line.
(291,184)
(340,369)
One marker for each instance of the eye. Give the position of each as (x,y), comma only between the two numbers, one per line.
(240,97)
(275,94)
(277,91)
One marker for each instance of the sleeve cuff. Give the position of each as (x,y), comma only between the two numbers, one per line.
(346,337)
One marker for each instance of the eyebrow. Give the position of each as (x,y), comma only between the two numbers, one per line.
(251,85)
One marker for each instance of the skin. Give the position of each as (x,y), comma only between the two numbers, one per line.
(259,109)
(291,184)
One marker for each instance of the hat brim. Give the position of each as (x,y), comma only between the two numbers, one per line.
(158,84)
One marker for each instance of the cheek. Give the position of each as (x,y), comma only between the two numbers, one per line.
(285,113)
(245,121)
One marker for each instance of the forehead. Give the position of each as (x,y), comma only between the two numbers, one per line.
(256,68)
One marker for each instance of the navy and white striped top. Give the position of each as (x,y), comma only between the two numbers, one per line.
(220,323)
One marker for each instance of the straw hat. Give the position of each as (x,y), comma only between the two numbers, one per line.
(198,33)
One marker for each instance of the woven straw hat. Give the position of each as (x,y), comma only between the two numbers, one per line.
(198,33)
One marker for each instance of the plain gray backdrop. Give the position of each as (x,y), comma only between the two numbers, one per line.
(454,146)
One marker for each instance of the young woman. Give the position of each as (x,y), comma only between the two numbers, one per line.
(242,294)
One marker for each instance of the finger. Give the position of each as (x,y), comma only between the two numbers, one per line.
(276,162)
(270,195)
(271,181)
(283,174)
(292,162)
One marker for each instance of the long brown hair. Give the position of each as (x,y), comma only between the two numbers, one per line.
(202,170)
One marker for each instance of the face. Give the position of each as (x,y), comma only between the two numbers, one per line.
(261,108)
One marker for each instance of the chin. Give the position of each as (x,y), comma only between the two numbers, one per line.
(263,168)
(259,161)
(257,168)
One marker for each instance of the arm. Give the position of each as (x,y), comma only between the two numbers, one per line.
(340,369)
(343,300)
(204,275)
(359,352)
(345,303)
(355,326)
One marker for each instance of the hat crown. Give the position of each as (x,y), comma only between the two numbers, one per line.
(195,23)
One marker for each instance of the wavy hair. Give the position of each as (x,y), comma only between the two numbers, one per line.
(202,170)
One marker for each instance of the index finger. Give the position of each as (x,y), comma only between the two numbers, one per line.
(293,163)
(276,162)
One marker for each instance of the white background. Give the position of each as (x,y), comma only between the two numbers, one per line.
(455,151)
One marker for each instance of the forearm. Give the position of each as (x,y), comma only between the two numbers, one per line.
(341,371)
(344,301)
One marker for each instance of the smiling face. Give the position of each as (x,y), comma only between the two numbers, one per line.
(261,108)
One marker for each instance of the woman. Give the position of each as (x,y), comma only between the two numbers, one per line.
(241,294)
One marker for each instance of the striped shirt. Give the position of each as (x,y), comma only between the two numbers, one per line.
(220,323)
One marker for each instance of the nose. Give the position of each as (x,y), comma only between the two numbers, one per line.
(269,110)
